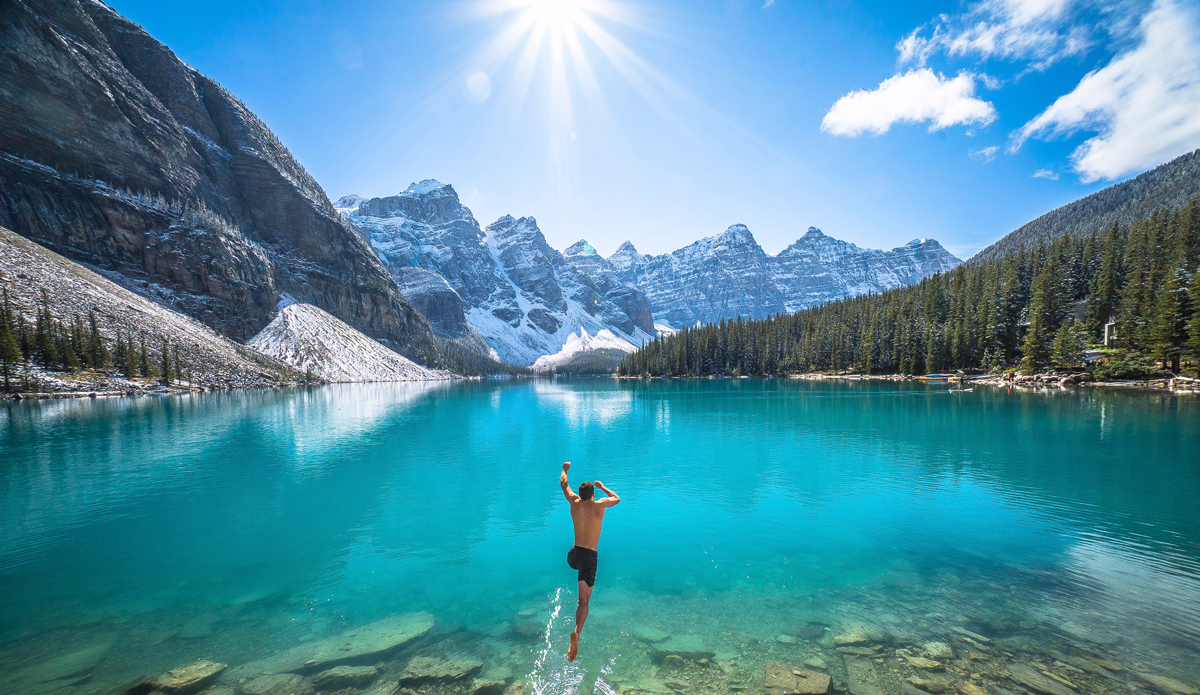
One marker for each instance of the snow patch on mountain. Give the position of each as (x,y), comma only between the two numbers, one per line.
(348,203)
(422,187)
(577,344)
(310,339)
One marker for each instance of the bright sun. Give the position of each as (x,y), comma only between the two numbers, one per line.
(557,12)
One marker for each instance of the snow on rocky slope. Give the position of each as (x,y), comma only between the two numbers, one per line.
(312,340)
(577,344)
(506,282)
(27,270)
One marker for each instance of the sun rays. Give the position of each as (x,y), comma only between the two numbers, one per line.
(556,41)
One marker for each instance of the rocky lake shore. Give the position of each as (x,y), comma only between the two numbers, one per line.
(409,655)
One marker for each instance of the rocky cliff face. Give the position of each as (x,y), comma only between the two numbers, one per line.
(115,153)
(729,275)
(506,282)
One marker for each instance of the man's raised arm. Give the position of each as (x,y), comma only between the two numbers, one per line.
(612,498)
(566,487)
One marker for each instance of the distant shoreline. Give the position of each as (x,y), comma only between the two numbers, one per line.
(1181,385)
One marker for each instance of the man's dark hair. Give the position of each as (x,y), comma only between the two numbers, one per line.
(587,491)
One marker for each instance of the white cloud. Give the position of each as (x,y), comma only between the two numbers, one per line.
(768,3)
(912,97)
(1045,174)
(1035,30)
(985,155)
(1144,105)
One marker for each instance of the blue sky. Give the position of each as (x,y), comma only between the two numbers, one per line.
(664,122)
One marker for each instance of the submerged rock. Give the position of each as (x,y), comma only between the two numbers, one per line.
(487,687)
(785,639)
(928,685)
(1110,665)
(278,684)
(1168,685)
(938,650)
(365,643)
(341,677)
(690,647)
(671,663)
(922,662)
(971,689)
(861,678)
(781,679)
(426,668)
(856,635)
(1030,678)
(74,663)
(187,679)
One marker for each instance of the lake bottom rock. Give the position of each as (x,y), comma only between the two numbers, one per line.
(782,679)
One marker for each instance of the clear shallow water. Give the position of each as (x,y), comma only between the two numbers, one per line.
(226,526)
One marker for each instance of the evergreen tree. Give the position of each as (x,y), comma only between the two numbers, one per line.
(10,349)
(1044,310)
(129,358)
(1103,302)
(96,349)
(166,362)
(45,347)
(1070,344)
(68,359)
(1194,326)
(144,360)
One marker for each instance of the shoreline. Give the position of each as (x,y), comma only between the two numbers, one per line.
(1177,384)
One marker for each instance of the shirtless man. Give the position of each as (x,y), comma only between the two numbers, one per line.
(587,513)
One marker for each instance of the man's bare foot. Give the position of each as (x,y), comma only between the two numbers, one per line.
(573,650)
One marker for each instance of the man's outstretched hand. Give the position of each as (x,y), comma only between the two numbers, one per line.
(599,484)
(566,466)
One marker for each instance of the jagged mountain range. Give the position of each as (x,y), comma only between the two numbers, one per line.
(116,154)
(524,297)
(527,299)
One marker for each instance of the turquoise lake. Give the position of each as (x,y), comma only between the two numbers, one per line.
(143,534)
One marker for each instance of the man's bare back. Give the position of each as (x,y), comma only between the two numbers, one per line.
(587,514)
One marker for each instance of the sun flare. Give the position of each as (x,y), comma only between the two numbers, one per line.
(557,12)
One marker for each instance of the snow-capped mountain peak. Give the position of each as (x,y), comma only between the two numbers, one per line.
(348,203)
(423,187)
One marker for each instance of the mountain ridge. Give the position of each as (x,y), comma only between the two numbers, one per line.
(116,154)
(528,299)
(1171,184)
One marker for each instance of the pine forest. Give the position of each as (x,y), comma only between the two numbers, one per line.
(1032,310)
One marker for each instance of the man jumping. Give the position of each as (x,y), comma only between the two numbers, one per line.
(587,513)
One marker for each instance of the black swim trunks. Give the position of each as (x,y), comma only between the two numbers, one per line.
(584,560)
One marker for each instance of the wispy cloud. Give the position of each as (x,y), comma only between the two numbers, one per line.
(916,96)
(1045,174)
(1010,29)
(984,154)
(768,3)
(1144,105)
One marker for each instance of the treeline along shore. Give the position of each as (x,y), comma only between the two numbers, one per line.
(1049,306)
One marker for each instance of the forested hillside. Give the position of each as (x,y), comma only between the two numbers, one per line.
(1171,185)
(1030,309)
